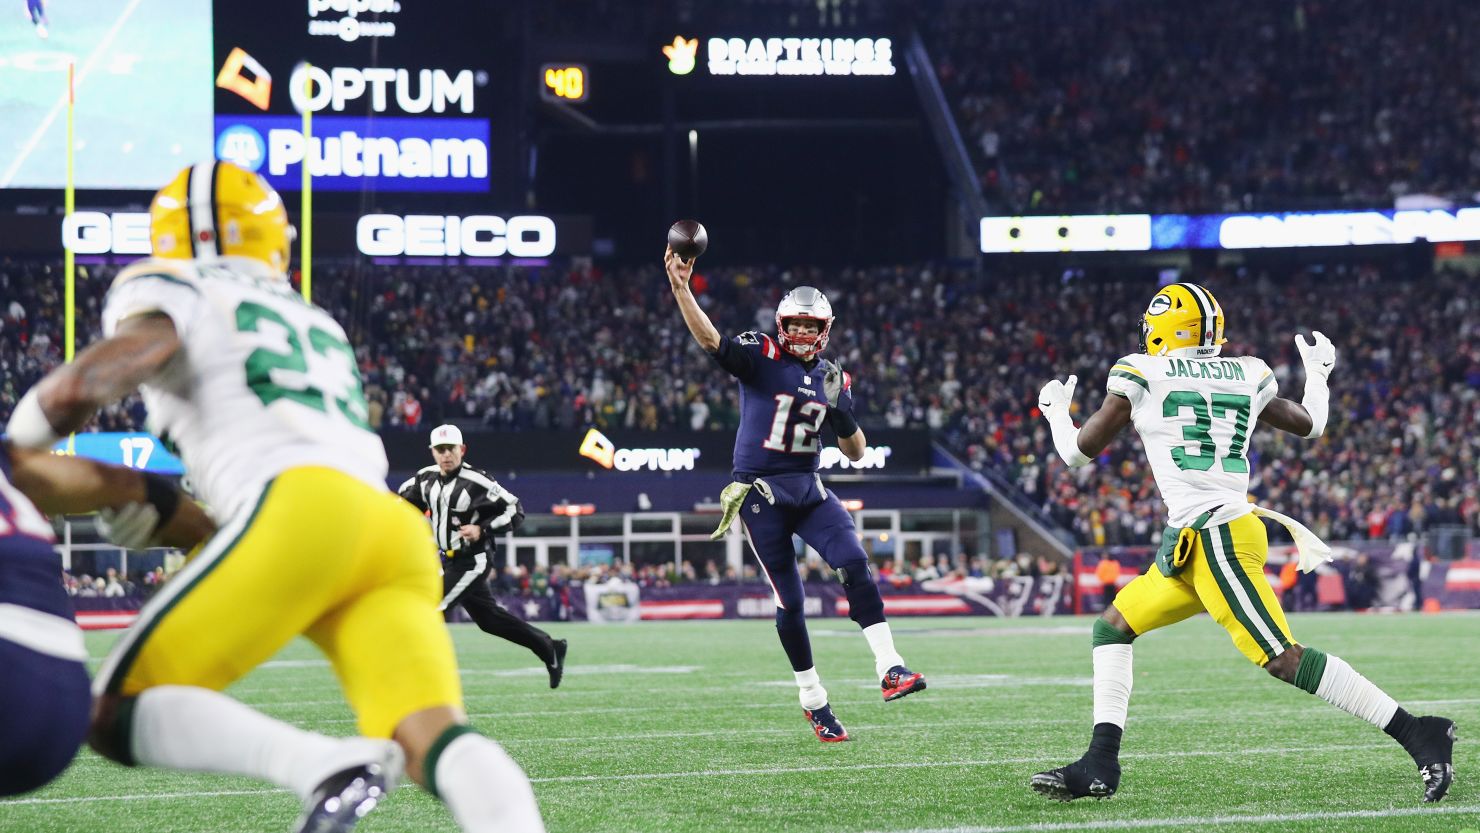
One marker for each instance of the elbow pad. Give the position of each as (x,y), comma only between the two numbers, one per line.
(1066,440)
(1317,403)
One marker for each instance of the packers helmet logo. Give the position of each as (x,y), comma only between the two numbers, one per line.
(1159,305)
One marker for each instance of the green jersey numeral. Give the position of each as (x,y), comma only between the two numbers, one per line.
(261,364)
(1200,431)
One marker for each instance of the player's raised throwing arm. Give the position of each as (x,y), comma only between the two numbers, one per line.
(679,273)
(1080,445)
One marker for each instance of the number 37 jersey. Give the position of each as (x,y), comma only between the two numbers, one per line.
(1195,417)
(263,382)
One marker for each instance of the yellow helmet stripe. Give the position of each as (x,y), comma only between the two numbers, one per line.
(201,190)
(1204,303)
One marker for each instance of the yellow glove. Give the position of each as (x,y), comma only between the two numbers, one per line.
(729,499)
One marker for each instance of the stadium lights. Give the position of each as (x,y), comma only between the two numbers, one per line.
(853,505)
(573,509)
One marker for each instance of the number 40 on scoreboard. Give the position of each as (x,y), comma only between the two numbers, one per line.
(563,82)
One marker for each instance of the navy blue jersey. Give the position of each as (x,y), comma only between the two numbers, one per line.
(30,572)
(782,407)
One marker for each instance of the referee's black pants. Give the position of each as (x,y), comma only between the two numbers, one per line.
(465,582)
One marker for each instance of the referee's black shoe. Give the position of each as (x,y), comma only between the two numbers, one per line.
(556,666)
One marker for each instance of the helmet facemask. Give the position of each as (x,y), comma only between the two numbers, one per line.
(806,303)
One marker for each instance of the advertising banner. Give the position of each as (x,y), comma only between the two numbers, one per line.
(402,92)
(617,453)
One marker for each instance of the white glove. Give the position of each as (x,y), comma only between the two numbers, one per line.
(131,526)
(1319,357)
(1056,397)
(1054,401)
(832,383)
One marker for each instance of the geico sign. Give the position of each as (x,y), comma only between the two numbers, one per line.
(96,233)
(874,457)
(432,89)
(449,236)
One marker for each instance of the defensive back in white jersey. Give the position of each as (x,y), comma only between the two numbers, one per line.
(1195,417)
(264,382)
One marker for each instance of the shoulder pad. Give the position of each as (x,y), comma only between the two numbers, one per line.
(175,271)
(751,338)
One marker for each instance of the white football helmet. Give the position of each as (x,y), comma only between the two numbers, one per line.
(804,302)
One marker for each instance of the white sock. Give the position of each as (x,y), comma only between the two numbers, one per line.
(199,730)
(484,788)
(1344,688)
(881,641)
(813,695)
(1112,683)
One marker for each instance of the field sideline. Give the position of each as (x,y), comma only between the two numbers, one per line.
(695,727)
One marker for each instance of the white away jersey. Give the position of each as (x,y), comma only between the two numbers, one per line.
(264,382)
(1195,417)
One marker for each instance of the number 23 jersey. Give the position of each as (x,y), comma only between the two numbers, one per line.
(1195,417)
(263,382)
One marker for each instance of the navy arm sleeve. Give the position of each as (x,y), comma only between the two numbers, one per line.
(842,422)
(840,417)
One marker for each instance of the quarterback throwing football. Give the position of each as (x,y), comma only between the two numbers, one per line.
(787,391)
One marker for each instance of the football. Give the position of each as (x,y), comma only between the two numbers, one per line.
(688,239)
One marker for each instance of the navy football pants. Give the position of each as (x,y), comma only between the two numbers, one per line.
(780,506)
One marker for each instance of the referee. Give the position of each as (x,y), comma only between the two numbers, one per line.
(468,508)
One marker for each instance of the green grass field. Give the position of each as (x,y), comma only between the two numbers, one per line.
(695,727)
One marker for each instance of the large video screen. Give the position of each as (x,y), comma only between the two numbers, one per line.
(143,86)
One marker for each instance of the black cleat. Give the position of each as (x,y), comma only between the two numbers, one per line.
(345,797)
(1078,780)
(1433,751)
(556,667)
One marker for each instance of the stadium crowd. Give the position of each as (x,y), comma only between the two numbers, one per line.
(939,348)
(1069,106)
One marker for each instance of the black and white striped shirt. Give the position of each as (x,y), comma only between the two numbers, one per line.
(466,496)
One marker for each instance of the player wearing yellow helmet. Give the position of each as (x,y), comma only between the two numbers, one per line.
(1194,410)
(260,392)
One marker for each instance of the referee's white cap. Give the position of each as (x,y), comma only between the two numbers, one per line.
(446,435)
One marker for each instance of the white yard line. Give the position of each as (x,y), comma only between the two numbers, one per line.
(768,771)
(61,104)
(1200,822)
(82,799)
(1044,759)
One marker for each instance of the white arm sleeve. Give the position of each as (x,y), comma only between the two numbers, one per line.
(1317,402)
(1066,440)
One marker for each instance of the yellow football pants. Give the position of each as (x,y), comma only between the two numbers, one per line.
(1225,577)
(323,555)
